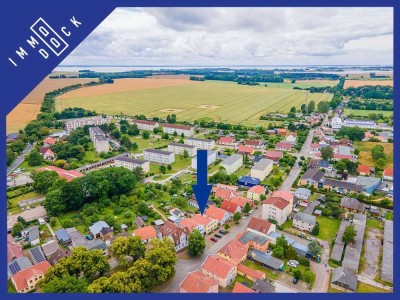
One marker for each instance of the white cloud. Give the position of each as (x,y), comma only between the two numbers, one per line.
(223,36)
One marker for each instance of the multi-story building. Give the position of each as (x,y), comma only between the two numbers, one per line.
(304,221)
(262,168)
(232,163)
(336,122)
(179,129)
(179,236)
(132,163)
(72,124)
(159,156)
(26,280)
(100,142)
(360,123)
(146,125)
(221,270)
(208,223)
(200,143)
(179,149)
(211,158)
(276,208)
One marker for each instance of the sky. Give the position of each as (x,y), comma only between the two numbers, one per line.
(239,36)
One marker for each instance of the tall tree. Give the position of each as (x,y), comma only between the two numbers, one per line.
(127,250)
(327,153)
(349,234)
(196,242)
(311,106)
(65,284)
(34,158)
(314,248)
(43,181)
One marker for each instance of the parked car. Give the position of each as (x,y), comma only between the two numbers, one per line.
(214,240)
(308,255)
(218,235)
(89,237)
(223,231)
(293,263)
(250,212)
(295,280)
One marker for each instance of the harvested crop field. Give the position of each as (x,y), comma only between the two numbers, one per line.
(359,82)
(365,156)
(235,103)
(29,108)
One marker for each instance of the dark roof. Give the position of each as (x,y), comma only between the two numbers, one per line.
(343,184)
(56,256)
(352,203)
(267,259)
(313,174)
(62,235)
(345,278)
(249,180)
(37,254)
(323,164)
(157,151)
(251,236)
(182,145)
(106,230)
(263,286)
(132,160)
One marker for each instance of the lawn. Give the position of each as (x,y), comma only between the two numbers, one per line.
(243,171)
(179,164)
(366,288)
(327,228)
(268,273)
(365,156)
(10,287)
(13,207)
(28,168)
(364,113)
(373,223)
(389,215)
(218,100)
(145,144)
(241,279)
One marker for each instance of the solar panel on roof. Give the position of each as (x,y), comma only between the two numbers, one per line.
(14,267)
(37,255)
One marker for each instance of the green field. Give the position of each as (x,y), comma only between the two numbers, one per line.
(363,112)
(328,228)
(219,101)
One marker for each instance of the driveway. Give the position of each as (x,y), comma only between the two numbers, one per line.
(20,179)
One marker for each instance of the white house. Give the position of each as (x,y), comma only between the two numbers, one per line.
(336,122)
(159,156)
(277,209)
(262,168)
(291,138)
(304,221)
(178,235)
(302,193)
(146,125)
(232,163)
(72,124)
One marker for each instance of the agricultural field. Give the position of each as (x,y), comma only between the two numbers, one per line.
(29,107)
(364,113)
(190,100)
(365,156)
(302,83)
(362,82)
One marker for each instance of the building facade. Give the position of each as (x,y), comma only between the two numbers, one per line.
(179,149)
(200,143)
(72,124)
(131,163)
(159,156)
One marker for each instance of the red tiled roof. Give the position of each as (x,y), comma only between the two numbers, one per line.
(49,140)
(189,224)
(241,201)
(197,282)
(277,202)
(234,249)
(388,172)
(286,195)
(283,145)
(146,122)
(226,140)
(229,206)
(21,278)
(218,266)
(240,288)
(274,154)
(67,174)
(227,187)
(246,149)
(258,189)
(342,156)
(256,274)
(252,142)
(215,213)
(170,229)
(364,169)
(146,233)
(222,193)
(203,220)
(259,225)
(176,126)
(14,249)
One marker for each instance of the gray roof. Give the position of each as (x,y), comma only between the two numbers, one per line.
(37,255)
(157,151)
(50,247)
(267,259)
(313,174)
(344,150)
(338,248)
(96,130)
(158,222)
(18,264)
(310,219)
(100,138)
(345,278)
(33,233)
(303,191)
(132,160)
(198,139)
(352,203)
(96,228)
(352,254)
(96,245)
(182,145)
(56,256)
(368,182)
(263,286)
(232,159)
(262,164)
(387,259)
(252,236)
(62,235)
(343,185)
(76,238)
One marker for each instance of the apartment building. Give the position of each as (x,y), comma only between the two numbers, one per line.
(262,168)
(304,221)
(179,149)
(200,143)
(211,158)
(179,129)
(72,124)
(232,163)
(132,163)
(98,137)
(159,156)
(146,125)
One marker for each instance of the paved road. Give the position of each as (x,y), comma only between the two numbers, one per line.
(19,159)
(20,179)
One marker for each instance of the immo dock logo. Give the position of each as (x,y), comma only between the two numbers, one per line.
(45,40)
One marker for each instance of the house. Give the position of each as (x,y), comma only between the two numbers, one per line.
(96,228)
(223,194)
(176,212)
(283,146)
(364,170)
(281,131)
(241,201)
(63,236)
(221,270)
(262,168)
(352,205)
(32,232)
(209,224)
(227,141)
(342,187)
(344,279)
(50,247)
(76,238)
(230,207)
(56,256)
(17,265)
(291,138)
(245,150)
(304,221)
(314,163)
(277,209)
(26,280)
(178,235)
(260,226)
(285,195)
(234,251)
(12,137)
(180,149)
(263,286)
(258,144)
(275,156)
(247,181)
(139,222)
(146,234)
(369,184)
(97,245)
(255,241)
(211,158)
(267,260)
(336,122)
(232,163)
(250,273)
(192,225)
(222,216)
(145,124)
(14,249)
(159,156)
(232,188)
(197,282)
(132,163)
(324,164)
(239,288)
(388,174)
(67,174)
(205,144)
(312,178)
(49,141)
(255,192)
(47,153)
(302,193)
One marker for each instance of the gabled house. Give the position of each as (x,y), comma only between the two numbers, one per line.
(96,228)
(234,251)
(49,141)
(221,270)
(255,192)
(388,174)
(14,249)
(275,156)
(47,153)
(222,216)
(304,221)
(191,225)
(178,235)
(312,178)
(260,226)
(197,282)
(283,146)
(344,279)
(246,150)
(231,207)
(352,205)
(209,224)
(26,280)
(258,144)
(146,233)
(277,209)
(291,138)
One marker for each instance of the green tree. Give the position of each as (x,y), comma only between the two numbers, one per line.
(281,241)
(17,228)
(246,208)
(162,169)
(65,284)
(185,154)
(34,158)
(17,146)
(380,163)
(311,106)
(349,234)
(54,203)
(146,135)
(236,217)
(22,221)
(290,253)
(11,156)
(340,166)
(309,276)
(297,273)
(126,142)
(127,250)
(315,230)
(327,153)
(278,251)
(323,106)
(196,243)
(314,249)
(43,181)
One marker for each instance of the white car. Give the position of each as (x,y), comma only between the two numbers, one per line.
(293,263)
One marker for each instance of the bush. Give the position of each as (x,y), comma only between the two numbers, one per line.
(303,261)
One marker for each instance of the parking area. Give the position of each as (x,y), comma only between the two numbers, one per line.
(372,251)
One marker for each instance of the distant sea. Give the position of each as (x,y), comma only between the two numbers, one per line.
(347,69)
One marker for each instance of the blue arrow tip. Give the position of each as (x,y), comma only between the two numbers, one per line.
(202,192)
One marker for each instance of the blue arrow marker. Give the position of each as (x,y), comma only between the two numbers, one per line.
(202,190)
